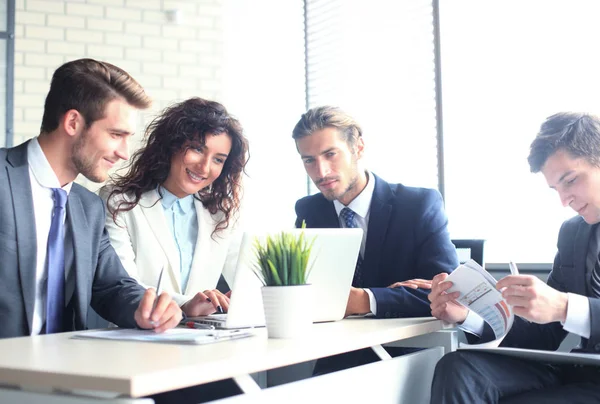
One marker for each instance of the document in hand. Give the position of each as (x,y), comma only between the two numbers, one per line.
(478,293)
(173,336)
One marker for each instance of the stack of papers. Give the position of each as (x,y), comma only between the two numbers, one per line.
(174,336)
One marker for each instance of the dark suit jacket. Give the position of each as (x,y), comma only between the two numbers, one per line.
(407,238)
(569,274)
(100,280)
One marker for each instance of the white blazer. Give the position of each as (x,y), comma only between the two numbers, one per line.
(144,243)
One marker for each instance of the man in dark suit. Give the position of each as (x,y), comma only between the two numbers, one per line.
(56,256)
(405,229)
(567,152)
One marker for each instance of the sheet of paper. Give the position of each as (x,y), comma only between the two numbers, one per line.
(175,335)
(478,293)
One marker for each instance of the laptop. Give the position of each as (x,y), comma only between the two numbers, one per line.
(332,264)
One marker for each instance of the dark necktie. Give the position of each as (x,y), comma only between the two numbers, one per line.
(595,282)
(349,217)
(55,258)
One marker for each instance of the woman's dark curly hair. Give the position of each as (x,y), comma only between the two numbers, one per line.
(173,131)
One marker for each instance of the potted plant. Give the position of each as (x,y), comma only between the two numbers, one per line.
(282,267)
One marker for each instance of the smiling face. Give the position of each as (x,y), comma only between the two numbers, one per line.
(577,183)
(98,148)
(332,164)
(197,166)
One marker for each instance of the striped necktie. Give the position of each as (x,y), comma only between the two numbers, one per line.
(349,218)
(595,281)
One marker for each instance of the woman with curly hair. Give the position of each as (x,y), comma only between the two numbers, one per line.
(177,206)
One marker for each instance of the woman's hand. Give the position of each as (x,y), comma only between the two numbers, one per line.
(205,303)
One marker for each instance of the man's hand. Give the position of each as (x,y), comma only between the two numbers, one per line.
(166,313)
(205,303)
(413,284)
(533,300)
(358,302)
(444,305)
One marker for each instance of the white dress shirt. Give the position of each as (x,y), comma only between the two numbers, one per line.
(42,178)
(361,206)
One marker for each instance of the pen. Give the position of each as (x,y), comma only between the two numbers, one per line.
(157,295)
(513,268)
(220,309)
(193,324)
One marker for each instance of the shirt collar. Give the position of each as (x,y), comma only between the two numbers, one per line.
(362,203)
(41,168)
(168,200)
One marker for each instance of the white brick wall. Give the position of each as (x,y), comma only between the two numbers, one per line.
(172,61)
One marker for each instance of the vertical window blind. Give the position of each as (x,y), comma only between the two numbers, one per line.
(375,60)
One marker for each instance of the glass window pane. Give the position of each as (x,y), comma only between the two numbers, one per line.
(3,14)
(263,80)
(375,59)
(502,77)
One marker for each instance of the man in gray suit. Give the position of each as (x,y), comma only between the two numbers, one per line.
(567,152)
(56,260)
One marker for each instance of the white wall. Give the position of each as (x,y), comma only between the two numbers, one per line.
(173,61)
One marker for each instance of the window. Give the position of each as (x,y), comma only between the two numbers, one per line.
(264,89)
(507,66)
(375,60)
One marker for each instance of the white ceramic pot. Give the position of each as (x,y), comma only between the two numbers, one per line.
(288,310)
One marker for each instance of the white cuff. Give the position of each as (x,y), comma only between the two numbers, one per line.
(473,324)
(372,301)
(578,316)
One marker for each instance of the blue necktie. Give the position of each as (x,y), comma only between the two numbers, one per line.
(55,258)
(349,217)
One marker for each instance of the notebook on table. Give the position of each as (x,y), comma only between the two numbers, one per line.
(332,264)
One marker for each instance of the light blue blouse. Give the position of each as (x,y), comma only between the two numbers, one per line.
(183,221)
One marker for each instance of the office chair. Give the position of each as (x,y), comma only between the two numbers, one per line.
(470,248)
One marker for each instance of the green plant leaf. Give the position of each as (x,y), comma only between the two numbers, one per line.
(282,259)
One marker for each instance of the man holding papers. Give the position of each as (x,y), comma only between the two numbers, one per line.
(567,152)
(56,256)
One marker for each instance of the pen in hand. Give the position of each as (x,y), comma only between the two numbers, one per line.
(513,268)
(158,291)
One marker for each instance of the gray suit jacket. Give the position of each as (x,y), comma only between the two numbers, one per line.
(99,277)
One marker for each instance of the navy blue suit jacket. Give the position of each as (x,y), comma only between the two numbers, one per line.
(569,274)
(407,238)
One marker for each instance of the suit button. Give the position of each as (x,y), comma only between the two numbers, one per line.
(387,315)
(597,347)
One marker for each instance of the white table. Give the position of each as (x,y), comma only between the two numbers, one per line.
(51,363)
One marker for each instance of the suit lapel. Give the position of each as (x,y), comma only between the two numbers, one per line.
(77,222)
(379,218)
(20,189)
(153,210)
(582,240)
(329,219)
(205,227)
